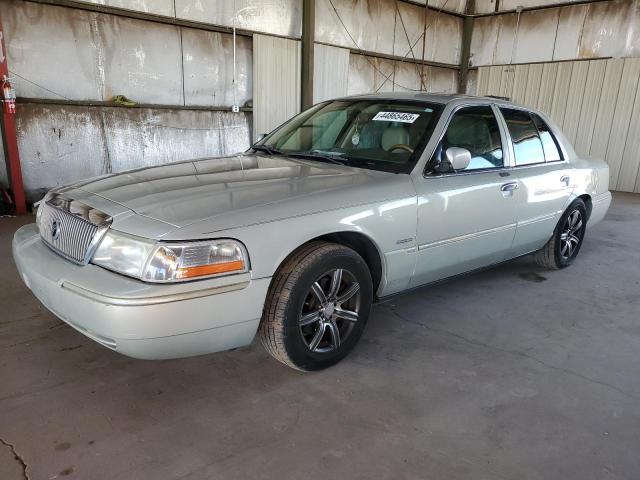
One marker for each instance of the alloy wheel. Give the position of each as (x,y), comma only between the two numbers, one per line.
(330,310)
(571,235)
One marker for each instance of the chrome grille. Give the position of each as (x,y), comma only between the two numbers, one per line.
(70,227)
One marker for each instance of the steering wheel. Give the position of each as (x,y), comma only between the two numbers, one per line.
(401,146)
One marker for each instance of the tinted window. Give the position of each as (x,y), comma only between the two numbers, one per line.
(476,129)
(549,143)
(527,145)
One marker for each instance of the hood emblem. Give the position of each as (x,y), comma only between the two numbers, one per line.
(55,230)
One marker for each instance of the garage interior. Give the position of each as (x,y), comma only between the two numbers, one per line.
(515,372)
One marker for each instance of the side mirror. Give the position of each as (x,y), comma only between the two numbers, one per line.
(458,158)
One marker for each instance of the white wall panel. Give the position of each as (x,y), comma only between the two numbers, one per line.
(569,32)
(279,17)
(330,72)
(375,26)
(446,5)
(370,75)
(624,109)
(54,47)
(208,68)
(139,60)
(276,90)
(596,103)
(574,100)
(536,36)
(606,108)
(589,106)
(628,178)
(60,144)
(596,30)
(156,7)
(81,55)
(490,6)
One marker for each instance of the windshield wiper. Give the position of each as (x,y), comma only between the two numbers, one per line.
(266,149)
(315,155)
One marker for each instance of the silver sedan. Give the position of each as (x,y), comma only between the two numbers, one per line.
(349,202)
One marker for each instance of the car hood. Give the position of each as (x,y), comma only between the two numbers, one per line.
(241,190)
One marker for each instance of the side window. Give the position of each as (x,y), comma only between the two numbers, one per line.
(475,129)
(527,145)
(549,142)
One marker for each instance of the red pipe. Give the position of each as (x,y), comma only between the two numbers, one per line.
(10,138)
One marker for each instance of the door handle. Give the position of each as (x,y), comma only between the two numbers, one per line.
(509,187)
(565,179)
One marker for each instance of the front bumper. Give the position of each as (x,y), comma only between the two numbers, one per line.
(138,319)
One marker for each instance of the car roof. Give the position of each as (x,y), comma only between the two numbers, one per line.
(443,98)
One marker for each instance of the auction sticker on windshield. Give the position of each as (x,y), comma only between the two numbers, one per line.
(396,117)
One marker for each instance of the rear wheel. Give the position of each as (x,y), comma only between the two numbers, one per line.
(317,306)
(563,247)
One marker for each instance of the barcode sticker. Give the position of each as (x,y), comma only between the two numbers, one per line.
(396,117)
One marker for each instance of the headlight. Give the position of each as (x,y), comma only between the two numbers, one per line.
(170,262)
(123,253)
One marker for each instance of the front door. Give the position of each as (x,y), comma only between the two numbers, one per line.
(466,218)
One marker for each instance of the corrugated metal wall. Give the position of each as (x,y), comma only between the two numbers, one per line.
(596,103)
(276,97)
(330,72)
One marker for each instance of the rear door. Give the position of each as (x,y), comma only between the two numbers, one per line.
(544,178)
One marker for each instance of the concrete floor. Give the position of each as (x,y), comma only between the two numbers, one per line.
(514,373)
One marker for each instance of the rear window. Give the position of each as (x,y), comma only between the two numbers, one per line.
(527,144)
(549,142)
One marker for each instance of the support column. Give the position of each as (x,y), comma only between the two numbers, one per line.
(308,39)
(10,137)
(465,53)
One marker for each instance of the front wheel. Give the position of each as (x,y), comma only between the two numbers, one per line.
(563,247)
(317,306)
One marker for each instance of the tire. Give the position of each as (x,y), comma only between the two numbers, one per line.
(297,328)
(571,228)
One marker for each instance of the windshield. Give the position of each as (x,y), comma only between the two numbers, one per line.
(383,135)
